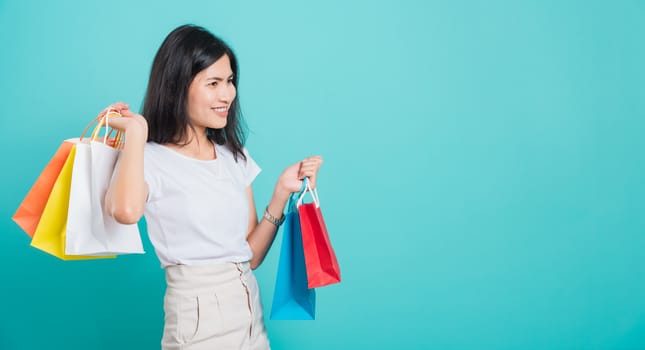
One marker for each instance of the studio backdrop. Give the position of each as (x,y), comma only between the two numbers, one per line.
(483,165)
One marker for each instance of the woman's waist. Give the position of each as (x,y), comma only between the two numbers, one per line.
(196,279)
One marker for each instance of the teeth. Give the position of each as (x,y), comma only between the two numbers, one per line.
(220,109)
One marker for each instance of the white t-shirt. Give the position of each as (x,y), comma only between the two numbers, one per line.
(197,210)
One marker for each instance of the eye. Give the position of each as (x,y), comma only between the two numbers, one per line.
(230,81)
(213,83)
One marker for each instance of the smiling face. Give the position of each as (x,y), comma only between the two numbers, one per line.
(210,96)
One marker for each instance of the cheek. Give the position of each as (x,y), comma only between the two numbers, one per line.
(195,98)
(233,92)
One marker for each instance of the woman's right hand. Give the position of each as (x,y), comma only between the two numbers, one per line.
(131,123)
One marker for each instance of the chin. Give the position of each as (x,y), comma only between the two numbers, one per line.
(217,123)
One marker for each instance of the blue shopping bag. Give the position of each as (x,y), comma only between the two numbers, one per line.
(292,299)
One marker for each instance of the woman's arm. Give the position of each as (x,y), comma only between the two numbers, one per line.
(125,198)
(262,234)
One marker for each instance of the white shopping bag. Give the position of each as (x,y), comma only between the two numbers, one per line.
(90,229)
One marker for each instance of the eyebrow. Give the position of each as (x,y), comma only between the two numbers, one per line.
(218,78)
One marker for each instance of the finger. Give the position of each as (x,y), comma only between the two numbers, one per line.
(113,113)
(312,180)
(310,169)
(305,173)
(309,173)
(314,159)
(127,113)
(119,106)
(310,163)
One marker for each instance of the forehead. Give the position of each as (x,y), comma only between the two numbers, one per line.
(219,69)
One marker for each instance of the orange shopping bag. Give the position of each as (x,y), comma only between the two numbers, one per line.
(30,210)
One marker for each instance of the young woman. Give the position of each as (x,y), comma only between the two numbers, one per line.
(184,167)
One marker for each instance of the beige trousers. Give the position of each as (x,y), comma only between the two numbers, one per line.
(212,307)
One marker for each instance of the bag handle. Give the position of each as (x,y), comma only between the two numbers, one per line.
(103,120)
(314,193)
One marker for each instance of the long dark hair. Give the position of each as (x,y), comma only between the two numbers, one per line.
(186,51)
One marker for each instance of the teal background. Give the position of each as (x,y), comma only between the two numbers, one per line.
(483,166)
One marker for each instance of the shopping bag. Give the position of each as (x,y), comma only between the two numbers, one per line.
(32,206)
(320,259)
(49,235)
(292,300)
(91,230)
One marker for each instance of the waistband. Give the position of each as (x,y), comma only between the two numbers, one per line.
(196,279)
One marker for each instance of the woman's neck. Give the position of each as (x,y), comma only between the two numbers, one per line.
(195,145)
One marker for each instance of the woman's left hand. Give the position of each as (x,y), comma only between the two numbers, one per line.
(292,177)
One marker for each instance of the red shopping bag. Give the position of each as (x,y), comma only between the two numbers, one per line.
(320,259)
(31,209)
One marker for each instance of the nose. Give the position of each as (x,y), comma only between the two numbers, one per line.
(225,94)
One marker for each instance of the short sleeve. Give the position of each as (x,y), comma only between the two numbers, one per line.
(149,162)
(251,168)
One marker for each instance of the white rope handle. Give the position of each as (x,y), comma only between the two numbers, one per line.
(314,194)
(104,122)
(97,128)
(107,126)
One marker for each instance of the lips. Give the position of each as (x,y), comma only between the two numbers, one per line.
(221,111)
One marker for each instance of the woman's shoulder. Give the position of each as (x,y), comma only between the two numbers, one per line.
(151,146)
(153,151)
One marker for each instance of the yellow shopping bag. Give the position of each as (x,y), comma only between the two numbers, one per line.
(50,232)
